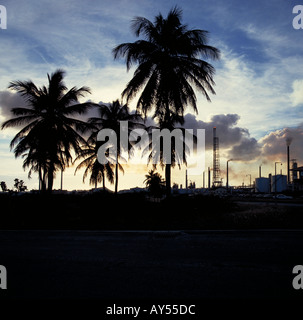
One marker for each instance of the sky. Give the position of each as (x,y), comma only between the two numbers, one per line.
(259,79)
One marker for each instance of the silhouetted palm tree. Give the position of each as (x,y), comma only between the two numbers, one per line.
(175,156)
(3,186)
(49,134)
(170,63)
(110,116)
(91,164)
(154,183)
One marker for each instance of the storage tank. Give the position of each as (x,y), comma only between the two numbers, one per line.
(263,185)
(294,171)
(279,183)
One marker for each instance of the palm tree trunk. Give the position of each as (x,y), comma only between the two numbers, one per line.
(40,178)
(50,179)
(103,180)
(43,181)
(167,179)
(116,178)
(167,166)
(61,187)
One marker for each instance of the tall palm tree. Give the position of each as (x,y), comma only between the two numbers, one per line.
(91,164)
(110,116)
(49,134)
(170,62)
(176,156)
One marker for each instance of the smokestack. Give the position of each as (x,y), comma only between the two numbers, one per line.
(288,143)
(260,172)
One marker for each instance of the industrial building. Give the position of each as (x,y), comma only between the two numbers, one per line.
(262,185)
(297,177)
(278,183)
(274,183)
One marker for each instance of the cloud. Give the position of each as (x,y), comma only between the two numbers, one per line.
(9,100)
(226,131)
(297,94)
(235,141)
(254,91)
(274,143)
(249,149)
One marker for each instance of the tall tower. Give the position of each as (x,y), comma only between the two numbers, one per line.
(216,161)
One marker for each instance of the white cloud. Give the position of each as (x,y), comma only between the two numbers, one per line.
(258,97)
(297,94)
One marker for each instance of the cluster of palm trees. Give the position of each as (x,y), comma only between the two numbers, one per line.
(170,62)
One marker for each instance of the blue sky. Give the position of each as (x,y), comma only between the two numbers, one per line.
(259,78)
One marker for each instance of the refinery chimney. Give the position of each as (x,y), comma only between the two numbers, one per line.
(288,142)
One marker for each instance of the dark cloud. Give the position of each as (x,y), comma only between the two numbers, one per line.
(236,141)
(248,149)
(9,100)
(226,129)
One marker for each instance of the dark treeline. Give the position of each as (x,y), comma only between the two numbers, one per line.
(107,211)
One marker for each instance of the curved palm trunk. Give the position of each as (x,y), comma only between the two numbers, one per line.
(168,179)
(116,179)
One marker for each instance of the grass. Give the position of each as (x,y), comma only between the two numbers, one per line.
(133,212)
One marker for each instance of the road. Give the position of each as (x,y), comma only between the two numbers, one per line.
(138,265)
(271,203)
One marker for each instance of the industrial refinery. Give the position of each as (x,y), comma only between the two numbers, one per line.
(272,185)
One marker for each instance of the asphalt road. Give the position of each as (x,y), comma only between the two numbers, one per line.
(139,265)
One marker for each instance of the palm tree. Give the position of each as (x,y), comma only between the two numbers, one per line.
(3,186)
(110,117)
(170,63)
(49,134)
(176,155)
(97,170)
(154,183)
